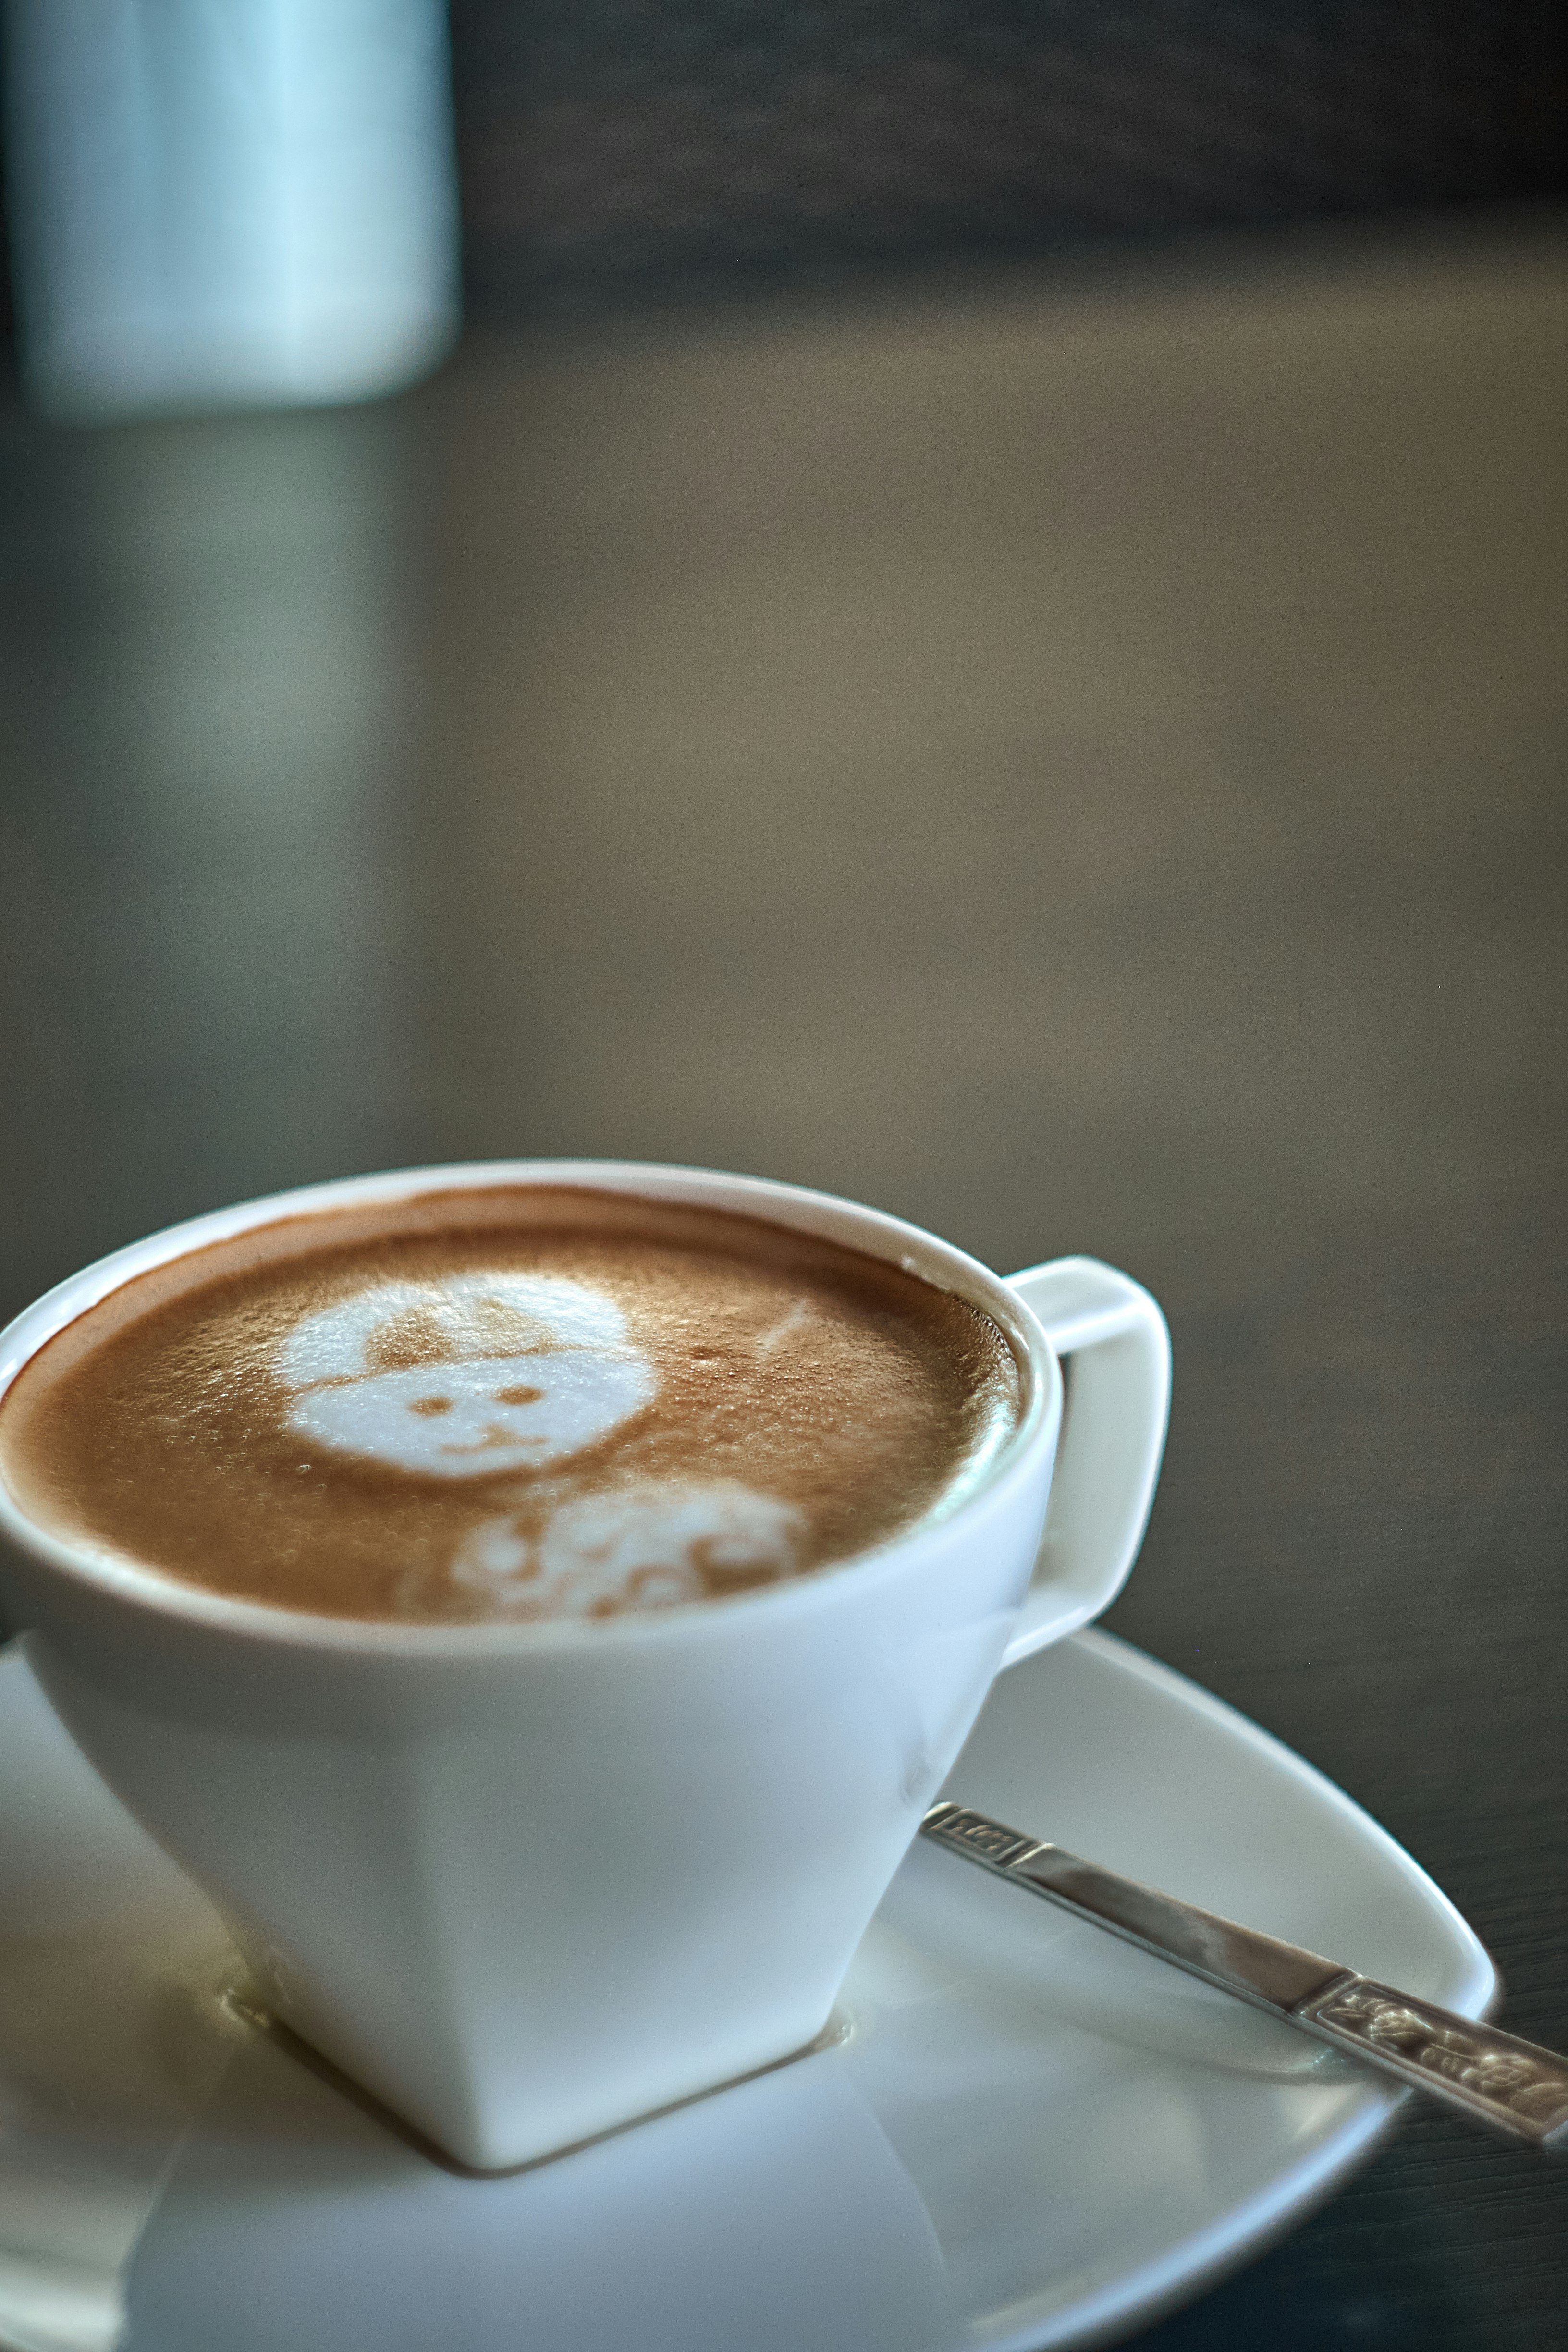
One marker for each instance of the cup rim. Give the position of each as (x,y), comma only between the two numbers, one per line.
(155,1593)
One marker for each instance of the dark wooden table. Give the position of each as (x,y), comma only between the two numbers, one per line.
(1082,765)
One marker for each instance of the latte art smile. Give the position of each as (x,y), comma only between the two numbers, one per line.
(530,1403)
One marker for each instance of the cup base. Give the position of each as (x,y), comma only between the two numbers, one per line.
(250,2011)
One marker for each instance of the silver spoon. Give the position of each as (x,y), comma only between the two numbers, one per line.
(1513,2085)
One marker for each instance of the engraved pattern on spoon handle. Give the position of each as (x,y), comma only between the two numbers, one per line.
(1513,2085)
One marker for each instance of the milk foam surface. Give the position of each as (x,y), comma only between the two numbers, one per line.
(512,1404)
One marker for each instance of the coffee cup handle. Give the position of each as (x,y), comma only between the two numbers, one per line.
(1116,1355)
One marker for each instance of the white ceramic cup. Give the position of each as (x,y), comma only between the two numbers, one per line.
(528,1882)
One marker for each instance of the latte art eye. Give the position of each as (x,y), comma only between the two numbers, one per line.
(519,1396)
(431,1404)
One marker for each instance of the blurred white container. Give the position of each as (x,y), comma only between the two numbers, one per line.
(221,203)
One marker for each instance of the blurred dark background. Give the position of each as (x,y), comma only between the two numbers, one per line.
(978,621)
(619,155)
(617,151)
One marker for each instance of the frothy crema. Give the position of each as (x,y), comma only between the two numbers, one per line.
(521,1403)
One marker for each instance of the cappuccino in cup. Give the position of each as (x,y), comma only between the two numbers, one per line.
(349,1531)
(511,1403)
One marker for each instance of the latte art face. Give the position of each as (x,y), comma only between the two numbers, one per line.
(465,1415)
(512,1405)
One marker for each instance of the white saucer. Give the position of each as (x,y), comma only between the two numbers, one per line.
(1027,2134)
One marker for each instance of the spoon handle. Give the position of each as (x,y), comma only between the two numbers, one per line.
(1511,2083)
